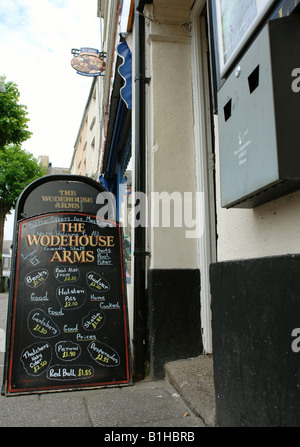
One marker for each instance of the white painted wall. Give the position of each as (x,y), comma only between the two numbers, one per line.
(171,164)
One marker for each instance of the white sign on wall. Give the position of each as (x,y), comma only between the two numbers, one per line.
(236,21)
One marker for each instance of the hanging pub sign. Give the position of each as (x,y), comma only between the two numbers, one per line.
(234,23)
(88,62)
(68,325)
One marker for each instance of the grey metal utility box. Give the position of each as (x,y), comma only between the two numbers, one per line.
(259,119)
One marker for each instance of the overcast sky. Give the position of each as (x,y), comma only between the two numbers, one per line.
(36,38)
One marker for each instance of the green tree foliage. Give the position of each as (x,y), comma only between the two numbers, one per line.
(18,168)
(13,116)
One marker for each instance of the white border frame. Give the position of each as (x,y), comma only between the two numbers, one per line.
(204,166)
(262,8)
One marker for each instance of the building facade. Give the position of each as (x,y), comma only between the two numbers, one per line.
(209,275)
(50,169)
(86,157)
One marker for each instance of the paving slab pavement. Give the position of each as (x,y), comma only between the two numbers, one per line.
(145,404)
(193,380)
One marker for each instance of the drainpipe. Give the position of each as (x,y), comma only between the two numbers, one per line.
(139,290)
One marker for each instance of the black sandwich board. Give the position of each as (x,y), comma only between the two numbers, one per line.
(67,317)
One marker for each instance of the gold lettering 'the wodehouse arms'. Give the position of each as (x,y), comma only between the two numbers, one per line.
(67,199)
(71,240)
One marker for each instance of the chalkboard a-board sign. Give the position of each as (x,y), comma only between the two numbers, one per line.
(68,326)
